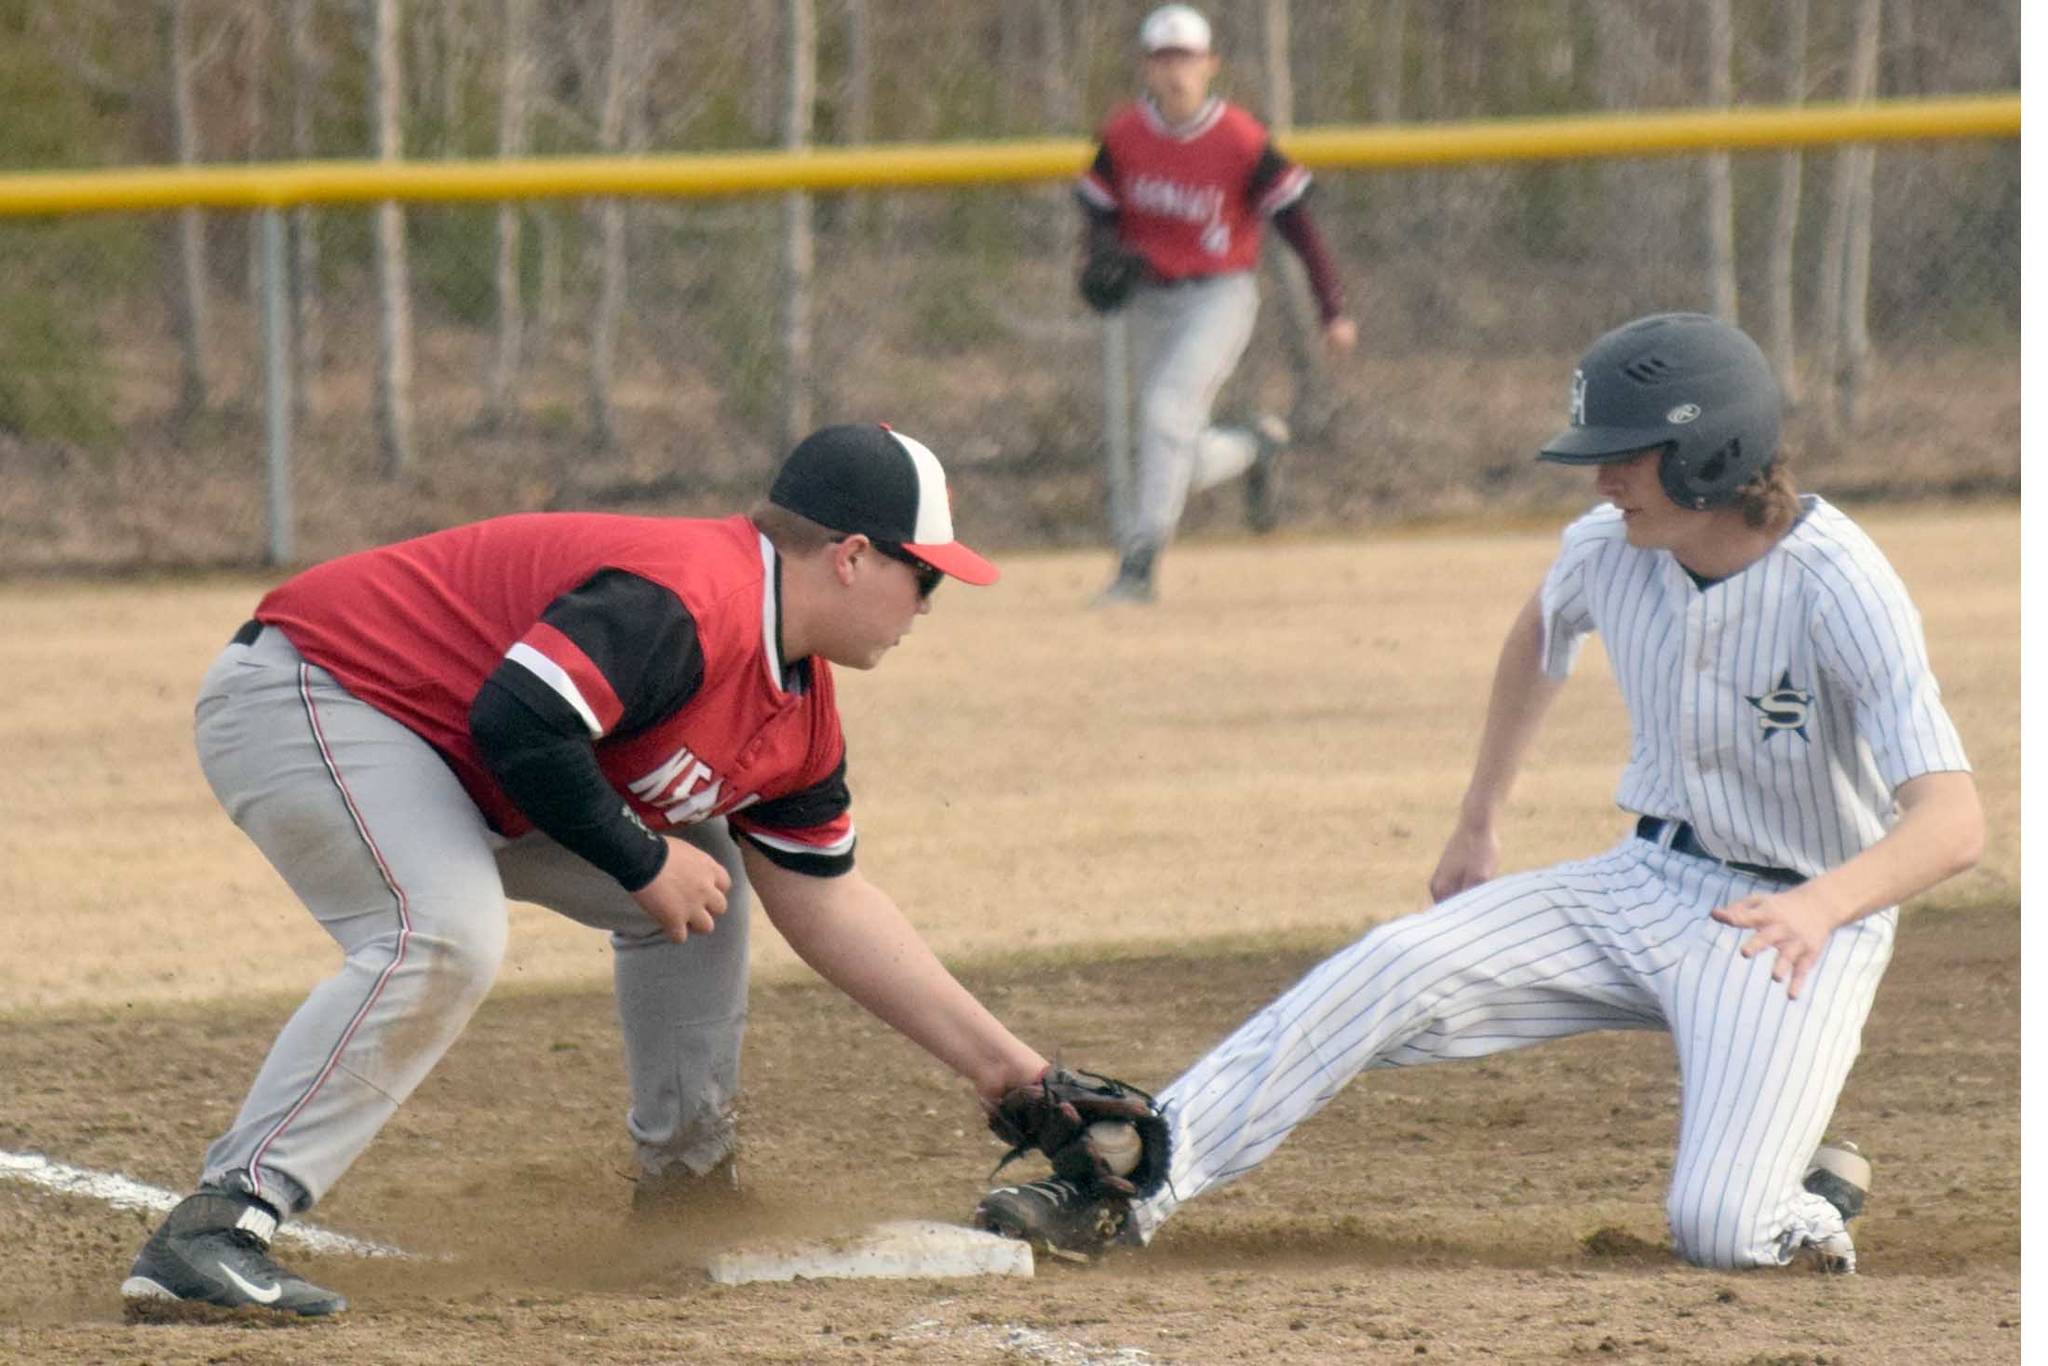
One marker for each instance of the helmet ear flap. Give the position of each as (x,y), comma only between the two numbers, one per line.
(1703,484)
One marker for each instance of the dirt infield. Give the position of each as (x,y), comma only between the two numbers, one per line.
(1127,832)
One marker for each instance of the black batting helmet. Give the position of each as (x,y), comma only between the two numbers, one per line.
(1692,384)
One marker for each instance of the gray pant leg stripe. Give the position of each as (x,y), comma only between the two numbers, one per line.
(377,989)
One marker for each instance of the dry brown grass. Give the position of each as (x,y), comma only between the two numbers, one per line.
(1273,751)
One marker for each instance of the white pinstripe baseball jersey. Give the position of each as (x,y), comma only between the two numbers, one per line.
(1777,710)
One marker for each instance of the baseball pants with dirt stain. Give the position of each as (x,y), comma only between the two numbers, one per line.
(371,830)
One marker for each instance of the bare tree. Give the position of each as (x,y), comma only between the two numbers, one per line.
(1856,360)
(547,292)
(1843,193)
(1388,57)
(759,92)
(799,24)
(1720,181)
(1060,85)
(516,77)
(857,89)
(394,305)
(254,59)
(188,287)
(1624,63)
(856,113)
(307,70)
(620,118)
(1783,342)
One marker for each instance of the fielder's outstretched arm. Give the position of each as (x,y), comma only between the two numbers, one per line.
(1522,694)
(852,933)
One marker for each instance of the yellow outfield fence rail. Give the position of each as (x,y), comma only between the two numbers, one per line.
(313,356)
(286,184)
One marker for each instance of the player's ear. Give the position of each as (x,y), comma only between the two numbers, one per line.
(846,553)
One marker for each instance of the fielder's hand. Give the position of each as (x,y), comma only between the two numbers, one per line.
(1340,334)
(1471,857)
(1794,924)
(688,891)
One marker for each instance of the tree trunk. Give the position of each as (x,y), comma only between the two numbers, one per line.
(857,114)
(760,93)
(1298,324)
(1012,68)
(307,337)
(1782,341)
(622,92)
(1856,360)
(394,306)
(516,78)
(254,59)
(547,293)
(1634,229)
(794,312)
(1835,250)
(1720,181)
(1389,56)
(188,288)
(1059,88)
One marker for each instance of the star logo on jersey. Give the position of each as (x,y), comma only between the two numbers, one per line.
(1783,708)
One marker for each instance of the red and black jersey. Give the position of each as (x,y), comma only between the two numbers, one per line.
(601,677)
(1190,199)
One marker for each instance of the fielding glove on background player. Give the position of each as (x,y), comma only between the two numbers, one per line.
(1052,1115)
(1109,277)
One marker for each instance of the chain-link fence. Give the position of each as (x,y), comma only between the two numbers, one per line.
(632,354)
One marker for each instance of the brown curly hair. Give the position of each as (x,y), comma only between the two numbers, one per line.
(1770,501)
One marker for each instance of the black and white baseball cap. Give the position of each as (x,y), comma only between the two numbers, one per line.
(1174,28)
(862,477)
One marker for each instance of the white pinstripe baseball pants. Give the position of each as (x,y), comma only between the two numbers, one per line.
(1620,941)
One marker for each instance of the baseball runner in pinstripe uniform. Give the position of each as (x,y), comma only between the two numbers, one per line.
(1793,777)
(1182,181)
(548,707)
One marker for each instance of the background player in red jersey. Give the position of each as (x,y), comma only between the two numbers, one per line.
(1183,181)
(544,707)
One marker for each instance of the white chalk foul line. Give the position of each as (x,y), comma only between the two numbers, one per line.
(1014,1339)
(124,1193)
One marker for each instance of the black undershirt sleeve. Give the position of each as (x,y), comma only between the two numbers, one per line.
(552,776)
(539,748)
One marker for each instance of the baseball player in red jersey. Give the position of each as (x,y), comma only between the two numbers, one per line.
(1184,180)
(553,708)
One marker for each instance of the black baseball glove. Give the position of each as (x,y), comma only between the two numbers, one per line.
(1052,1115)
(1110,276)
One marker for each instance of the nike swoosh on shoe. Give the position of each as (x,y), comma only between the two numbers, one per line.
(262,1294)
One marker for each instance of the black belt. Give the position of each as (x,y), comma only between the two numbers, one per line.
(1678,837)
(246,633)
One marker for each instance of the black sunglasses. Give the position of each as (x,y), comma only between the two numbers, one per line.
(928,578)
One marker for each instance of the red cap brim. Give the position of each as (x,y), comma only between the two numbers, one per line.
(957,560)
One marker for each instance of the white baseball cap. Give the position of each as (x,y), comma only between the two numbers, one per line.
(1174,28)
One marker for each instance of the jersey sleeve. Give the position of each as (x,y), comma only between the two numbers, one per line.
(1275,182)
(1096,189)
(1867,637)
(618,652)
(613,655)
(807,831)
(1567,602)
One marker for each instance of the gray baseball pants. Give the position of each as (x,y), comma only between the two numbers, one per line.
(1185,341)
(371,830)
